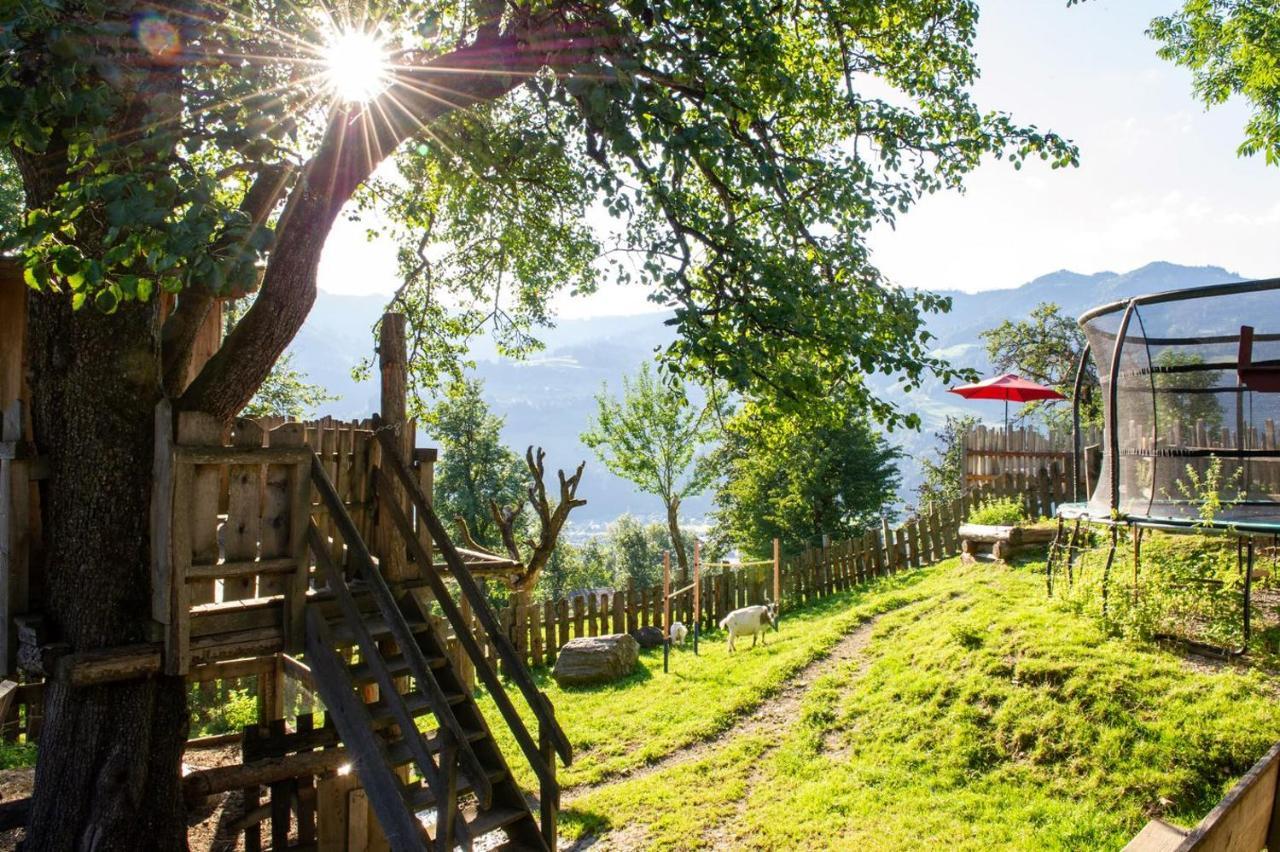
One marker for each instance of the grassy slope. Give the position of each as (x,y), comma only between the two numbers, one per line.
(635,721)
(981,715)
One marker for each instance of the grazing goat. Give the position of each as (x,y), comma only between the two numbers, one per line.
(678,632)
(750,620)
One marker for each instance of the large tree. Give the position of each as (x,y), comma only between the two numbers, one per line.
(204,148)
(655,437)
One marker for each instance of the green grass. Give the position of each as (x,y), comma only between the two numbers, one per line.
(980,715)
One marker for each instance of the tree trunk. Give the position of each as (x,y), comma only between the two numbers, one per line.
(677,543)
(107,775)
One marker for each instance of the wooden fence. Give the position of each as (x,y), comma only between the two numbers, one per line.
(990,454)
(539,629)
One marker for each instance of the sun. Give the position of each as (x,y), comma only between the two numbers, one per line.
(357,65)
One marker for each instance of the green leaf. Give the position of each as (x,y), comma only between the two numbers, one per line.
(106,301)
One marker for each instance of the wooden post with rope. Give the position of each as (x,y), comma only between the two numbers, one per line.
(697,592)
(666,609)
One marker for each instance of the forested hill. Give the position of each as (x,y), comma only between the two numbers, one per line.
(548,399)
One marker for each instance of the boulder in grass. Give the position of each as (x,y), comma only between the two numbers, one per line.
(596,659)
(648,637)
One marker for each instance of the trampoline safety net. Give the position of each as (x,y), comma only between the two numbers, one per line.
(1176,410)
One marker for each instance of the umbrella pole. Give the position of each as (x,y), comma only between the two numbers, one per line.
(1006,427)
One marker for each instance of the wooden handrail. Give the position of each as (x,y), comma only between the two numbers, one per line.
(408,644)
(467,585)
(545,773)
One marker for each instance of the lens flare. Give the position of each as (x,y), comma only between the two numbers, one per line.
(156,35)
(356,65)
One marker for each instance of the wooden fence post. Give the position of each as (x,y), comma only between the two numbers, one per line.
(777,573)
(666,593)
(697,590)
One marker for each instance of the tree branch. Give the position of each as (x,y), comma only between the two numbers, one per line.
(356,141)
(551,519)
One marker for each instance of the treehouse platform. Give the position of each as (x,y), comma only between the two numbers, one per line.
(306,560)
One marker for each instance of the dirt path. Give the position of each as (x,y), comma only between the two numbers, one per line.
(772,719)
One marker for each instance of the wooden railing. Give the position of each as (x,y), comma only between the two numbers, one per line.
(539,629)
(1244,821)
(551,737)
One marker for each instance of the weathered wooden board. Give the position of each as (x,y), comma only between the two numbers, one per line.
(241,532)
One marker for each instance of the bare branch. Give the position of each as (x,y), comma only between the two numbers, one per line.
(464,532)
(505,519)
(551,518)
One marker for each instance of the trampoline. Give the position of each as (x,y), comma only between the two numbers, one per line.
(1189,382)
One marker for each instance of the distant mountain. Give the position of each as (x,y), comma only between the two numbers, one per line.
(548,399)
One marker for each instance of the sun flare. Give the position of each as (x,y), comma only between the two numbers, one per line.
(357,65)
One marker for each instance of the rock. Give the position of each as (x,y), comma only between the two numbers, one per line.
(596,659)
(648,637)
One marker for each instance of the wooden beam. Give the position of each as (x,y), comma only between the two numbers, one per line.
(243,455)
(129,662)
(221,779)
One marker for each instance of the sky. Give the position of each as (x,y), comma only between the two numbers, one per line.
(1159,178)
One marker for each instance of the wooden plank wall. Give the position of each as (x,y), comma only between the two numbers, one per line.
(231,518)
(541,628)
(20,534)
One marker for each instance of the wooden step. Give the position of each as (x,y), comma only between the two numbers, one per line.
(417,704)
(377,627)
(420,797)
(400,754)
(480,823)
(362,672)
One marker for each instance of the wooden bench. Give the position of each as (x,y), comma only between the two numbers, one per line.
(1000,542)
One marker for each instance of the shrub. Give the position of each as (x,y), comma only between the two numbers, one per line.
(1189,586)
(1005,512)
(17,755)
(224,711)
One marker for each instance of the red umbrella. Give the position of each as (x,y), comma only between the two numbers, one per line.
(1007,387)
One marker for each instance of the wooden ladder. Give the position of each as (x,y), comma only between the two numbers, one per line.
(461,774)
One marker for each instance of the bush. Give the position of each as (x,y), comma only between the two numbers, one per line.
(17,755)
(1189,586)
(1006,512)
(221,710)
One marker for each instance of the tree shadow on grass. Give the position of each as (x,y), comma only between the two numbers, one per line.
(590,824)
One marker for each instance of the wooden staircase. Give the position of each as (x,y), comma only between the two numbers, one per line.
(397,672)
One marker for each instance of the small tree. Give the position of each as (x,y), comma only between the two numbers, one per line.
(475,468)
(655,438)
(799,475)
(944,474)
(1046,347)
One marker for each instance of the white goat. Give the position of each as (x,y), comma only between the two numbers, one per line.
(752,621)
(678,632)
